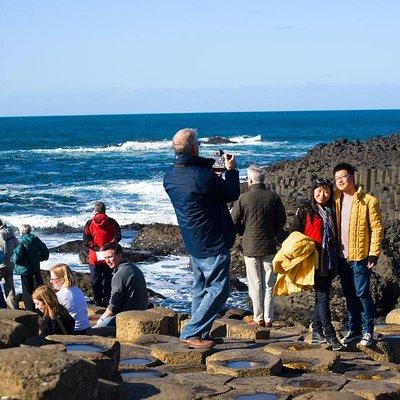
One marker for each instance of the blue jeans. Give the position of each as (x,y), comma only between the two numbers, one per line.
(210,291)
(355,278)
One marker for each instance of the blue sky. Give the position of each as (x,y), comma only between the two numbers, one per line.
(100,57)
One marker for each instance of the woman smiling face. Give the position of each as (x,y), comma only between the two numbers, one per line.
(322,194)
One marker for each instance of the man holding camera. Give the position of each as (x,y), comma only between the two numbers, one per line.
(199,196)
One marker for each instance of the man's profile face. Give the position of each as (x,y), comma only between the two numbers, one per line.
(112,259)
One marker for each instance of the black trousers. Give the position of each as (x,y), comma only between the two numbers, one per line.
(101,284)
(29,284)
(322,321)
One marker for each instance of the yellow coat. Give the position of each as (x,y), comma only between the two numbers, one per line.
(295,264)
(365,225)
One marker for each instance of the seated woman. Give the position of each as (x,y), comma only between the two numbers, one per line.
(316,220)
(70,296)
(55,317)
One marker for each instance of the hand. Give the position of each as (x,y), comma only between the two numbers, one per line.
(372,260)
(370,265)
(230,161)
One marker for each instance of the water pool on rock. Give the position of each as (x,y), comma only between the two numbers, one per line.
(85,347)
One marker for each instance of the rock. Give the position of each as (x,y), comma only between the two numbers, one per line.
(154,338)
(74,246)
(27,318)
(384,349)
(132,356)
(240,363)
(108,347)
(178,355)
(247,332)
(105,366)
(393,317)
(300,358)
(157,389)
(106,390)
(253,394)
(132,324)
(236,313)
(160,239)
(12,334)
(219,140)
(329,396)
(373,390)
(37,374)
(172,317)
(310,382)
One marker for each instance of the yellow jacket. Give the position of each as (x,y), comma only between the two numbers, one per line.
(365,225)
(295,264)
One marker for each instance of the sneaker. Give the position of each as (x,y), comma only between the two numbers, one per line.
(334,343)
(366,340)
(317,338)
(350,336)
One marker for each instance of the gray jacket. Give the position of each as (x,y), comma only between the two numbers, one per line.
(128,289)
(8,242)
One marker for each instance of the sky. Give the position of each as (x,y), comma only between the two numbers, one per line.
(144,56)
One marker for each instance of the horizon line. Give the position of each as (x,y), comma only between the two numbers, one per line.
(198,112)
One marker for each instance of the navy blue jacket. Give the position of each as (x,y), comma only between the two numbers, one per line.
(199,197)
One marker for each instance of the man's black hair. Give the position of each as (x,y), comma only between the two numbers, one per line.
(113,246)
(344,166)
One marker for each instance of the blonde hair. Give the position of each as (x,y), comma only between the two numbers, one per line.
(64,272)
(52,308)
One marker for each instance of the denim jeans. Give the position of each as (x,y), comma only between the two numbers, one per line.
(355,278)
(322,322)
(101,283)
(210,291)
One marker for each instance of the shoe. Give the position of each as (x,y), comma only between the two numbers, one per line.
(260,323)
(317,338)
(268,324)
(350,336)
(366,340)
(197,343)
(334,343)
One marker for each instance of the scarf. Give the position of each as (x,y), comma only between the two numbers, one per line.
(328,256)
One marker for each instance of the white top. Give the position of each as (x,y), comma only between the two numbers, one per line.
(345,223)
(74,301)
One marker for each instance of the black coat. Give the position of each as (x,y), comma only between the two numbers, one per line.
(199,197)
(259,215)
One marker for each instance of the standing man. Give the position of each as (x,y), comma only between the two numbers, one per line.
(99,231)
(8,242)
(260,215)
(360,231)
(199,197)
(128,287)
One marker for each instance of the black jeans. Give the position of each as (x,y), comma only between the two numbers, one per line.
(322,321)
(101,284)
(29,284)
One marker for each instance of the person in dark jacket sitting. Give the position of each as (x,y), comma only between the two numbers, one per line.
(128,286)
(26,258)
(199,196)
(315,218)
(259,214)
(55,317)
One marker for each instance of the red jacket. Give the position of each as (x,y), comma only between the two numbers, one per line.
(99,231)
(311,227)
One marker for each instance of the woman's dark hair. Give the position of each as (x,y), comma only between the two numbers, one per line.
(311,206)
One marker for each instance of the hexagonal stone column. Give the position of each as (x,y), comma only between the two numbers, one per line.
(38,374)
(12,334)
(175,353)
(393,317)
(239,363)
(132,324)
(27,318)
(172,317)
(374,390)
(247,332)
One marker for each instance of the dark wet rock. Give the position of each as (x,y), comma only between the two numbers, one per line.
(219,140)
(74,246)
(160,240)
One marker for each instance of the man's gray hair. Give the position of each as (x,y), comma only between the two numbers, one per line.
(99,207)
(184,140)
(24,229)
(256,174)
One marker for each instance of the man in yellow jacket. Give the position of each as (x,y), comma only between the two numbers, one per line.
(360,230)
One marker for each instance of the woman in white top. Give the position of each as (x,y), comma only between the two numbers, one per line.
(70,296)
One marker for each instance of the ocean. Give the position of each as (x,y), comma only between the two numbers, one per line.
(54,168)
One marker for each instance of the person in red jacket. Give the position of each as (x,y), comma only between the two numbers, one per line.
(99,231)
(315,218)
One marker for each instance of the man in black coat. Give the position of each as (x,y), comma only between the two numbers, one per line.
(259,214)
(199,196)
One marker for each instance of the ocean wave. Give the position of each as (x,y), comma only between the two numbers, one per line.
(144,146)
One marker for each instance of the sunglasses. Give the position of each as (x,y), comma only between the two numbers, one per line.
(322,181)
